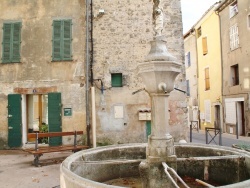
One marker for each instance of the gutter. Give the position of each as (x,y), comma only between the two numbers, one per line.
(221,59)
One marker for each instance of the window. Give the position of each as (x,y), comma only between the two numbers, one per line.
(187,60)
(233,9)
(11,42)
(204,45)
(207,105)
(235,75)
(199,32)
(207,80)
(188,88)
(234,37)
(62,31)
(116,80)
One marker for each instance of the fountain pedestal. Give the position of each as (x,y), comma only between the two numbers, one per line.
(158,73)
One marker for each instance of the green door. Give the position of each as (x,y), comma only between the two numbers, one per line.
(54,117)
(14,120)
(148,128)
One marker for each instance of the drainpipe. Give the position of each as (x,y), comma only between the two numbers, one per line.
(93,114)
(87,74)
(221,56)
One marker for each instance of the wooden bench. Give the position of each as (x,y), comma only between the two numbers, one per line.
(39,151)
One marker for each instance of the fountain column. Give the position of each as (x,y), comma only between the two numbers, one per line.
(158,73)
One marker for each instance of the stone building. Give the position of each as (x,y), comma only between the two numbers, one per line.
(235,26)
(52,54)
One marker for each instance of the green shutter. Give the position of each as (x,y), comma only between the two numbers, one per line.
(14,120)
(56,40)
(54,117)
(116,80)
(11,42)
(6,42)
(16,42)
(62,38)
(67,40)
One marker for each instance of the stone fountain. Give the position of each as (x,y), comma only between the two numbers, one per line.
(91,168)
(158,73)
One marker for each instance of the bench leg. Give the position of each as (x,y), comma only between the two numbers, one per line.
(36,160)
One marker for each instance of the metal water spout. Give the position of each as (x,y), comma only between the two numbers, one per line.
(158,73)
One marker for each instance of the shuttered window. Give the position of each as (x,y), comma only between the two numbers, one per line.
(234,37)
(62,39)
(116,80)
(207,80)
(187,60)
(11,42)
(204,45)
(207,105)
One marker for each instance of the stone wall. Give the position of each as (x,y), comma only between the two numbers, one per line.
(121,41)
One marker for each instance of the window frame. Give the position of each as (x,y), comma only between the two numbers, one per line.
(234,37)
(207,110)
(188,59)
(204,46)
(234,76)
(233,9)
(116,80)
(199,32)
(11,42)
(62,40)
(207,79)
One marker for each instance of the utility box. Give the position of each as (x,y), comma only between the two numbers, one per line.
(144,115)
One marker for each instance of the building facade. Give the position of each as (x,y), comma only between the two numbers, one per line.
(235,27)
(191,76)
(52,55)
(209,70)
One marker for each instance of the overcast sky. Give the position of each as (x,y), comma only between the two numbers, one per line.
(192,10)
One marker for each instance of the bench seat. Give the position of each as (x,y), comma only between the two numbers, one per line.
(38,151)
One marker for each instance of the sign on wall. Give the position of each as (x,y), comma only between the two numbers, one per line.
(67,111)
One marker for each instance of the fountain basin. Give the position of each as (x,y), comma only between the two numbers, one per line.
(89,168)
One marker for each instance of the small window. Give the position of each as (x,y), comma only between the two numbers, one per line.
(234,37)
(116,80)
(188,88)
(235,75)
(187,60)
(233,9)
(207,79)
(199,32)
(204,45)
(62,39)
(11,42)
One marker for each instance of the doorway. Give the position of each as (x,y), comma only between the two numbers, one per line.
(37,113)
(217,117)
(240,118)
(148,128)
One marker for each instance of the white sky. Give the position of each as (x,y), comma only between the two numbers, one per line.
(192,10)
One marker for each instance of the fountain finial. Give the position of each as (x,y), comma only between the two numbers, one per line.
(158,18)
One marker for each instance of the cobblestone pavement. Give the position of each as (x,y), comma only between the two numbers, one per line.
(17,171)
